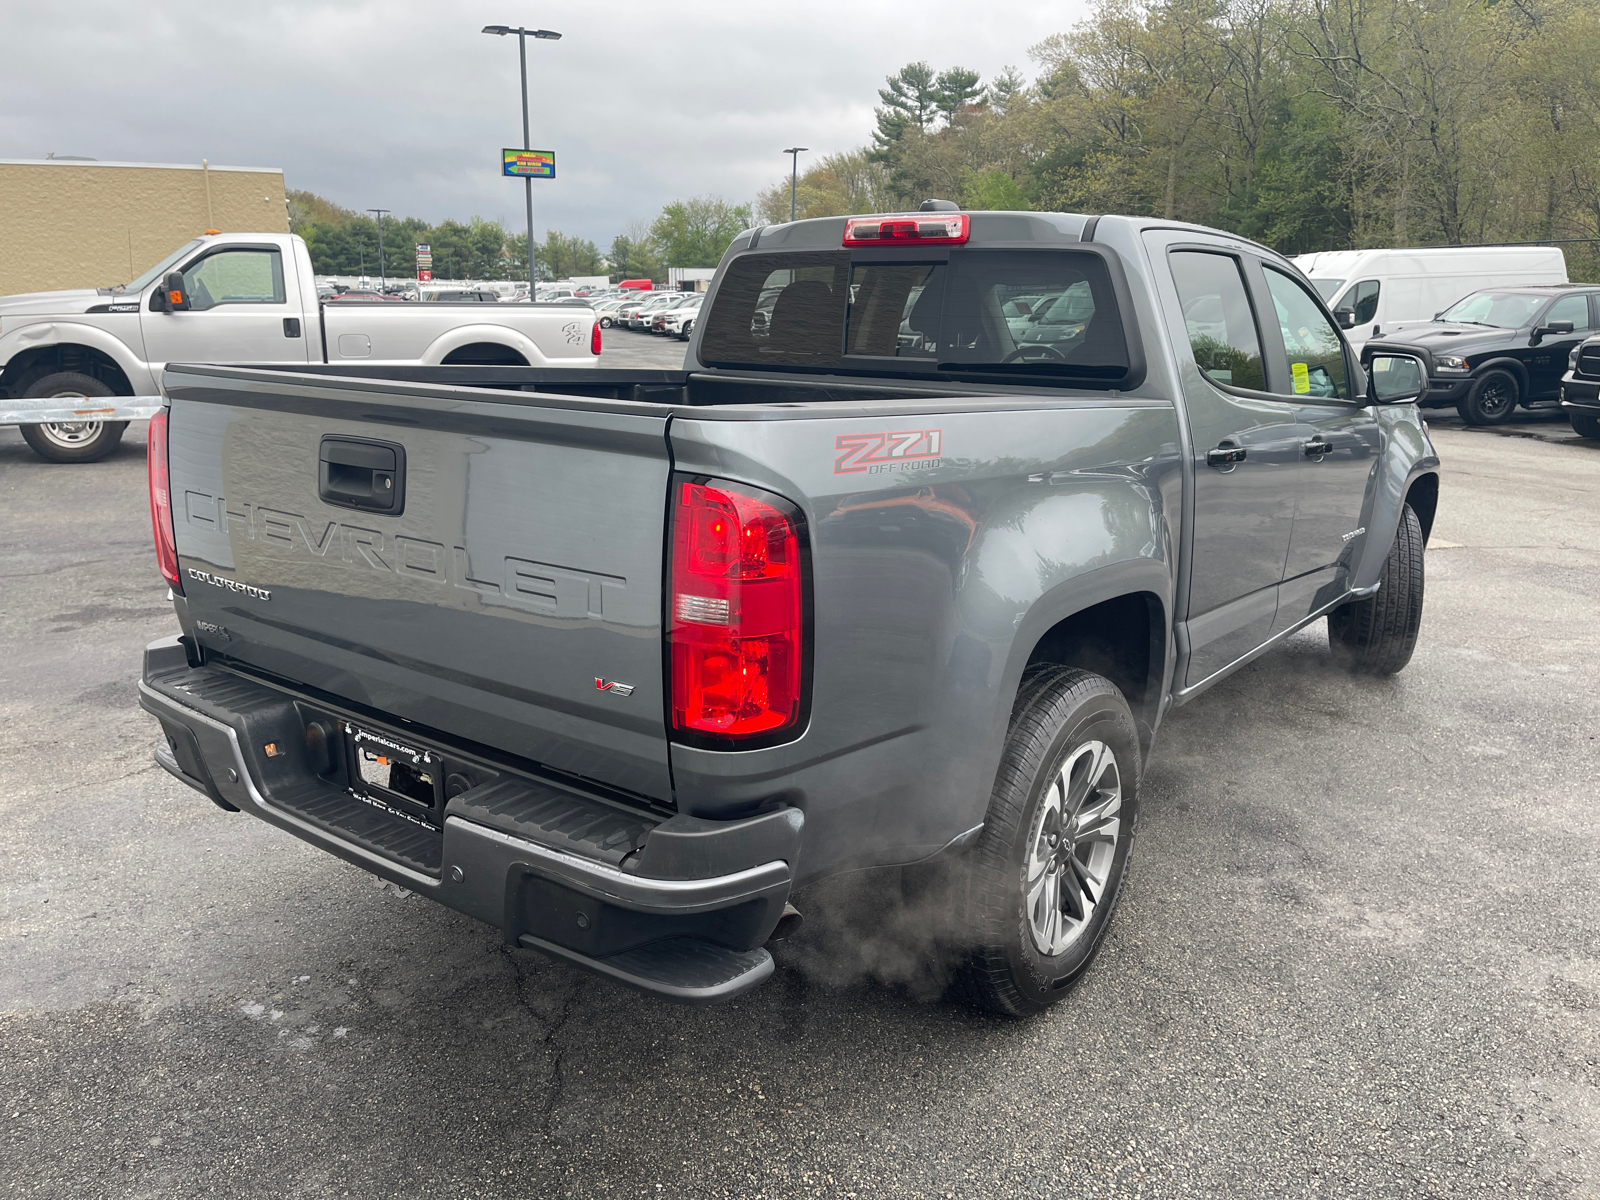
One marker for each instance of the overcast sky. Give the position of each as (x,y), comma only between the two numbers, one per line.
(405,106)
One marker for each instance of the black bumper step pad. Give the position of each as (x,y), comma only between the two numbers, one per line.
(553,816)
(420,847)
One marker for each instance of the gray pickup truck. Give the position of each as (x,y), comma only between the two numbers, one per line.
(905,567)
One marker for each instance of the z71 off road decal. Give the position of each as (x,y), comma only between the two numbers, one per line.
(902,450)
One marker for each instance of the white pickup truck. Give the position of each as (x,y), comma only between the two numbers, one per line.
(77,366)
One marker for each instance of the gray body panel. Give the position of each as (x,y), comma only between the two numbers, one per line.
(932,583)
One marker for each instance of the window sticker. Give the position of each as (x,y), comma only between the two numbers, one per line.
(1302,377)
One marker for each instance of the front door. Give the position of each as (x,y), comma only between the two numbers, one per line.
(1245,448)
(1338,441)
(1547,362)
(243,308)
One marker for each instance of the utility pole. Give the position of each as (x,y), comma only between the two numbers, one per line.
(382,212)
(794,153)
(523,35)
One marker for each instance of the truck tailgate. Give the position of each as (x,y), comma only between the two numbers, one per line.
(522,568)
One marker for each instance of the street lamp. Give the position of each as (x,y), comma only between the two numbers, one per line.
(546,35)
(794,153)
(381,213)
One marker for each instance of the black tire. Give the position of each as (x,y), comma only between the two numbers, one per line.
(72,441)
(1584,427)
(1376,635)
(1063,720)
(1492,399)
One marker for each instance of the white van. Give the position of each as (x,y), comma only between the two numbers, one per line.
(1375,292)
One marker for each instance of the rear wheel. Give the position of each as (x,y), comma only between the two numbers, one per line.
(1377,635)
(1492,399)
(72,441)
(1046,874)
(1584,427)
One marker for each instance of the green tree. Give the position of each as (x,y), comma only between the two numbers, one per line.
(992,189)
(909,102)
(694,233)
(954,90)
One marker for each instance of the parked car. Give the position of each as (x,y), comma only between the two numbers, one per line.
(232,297)
(689,304)
(679,322)
(617,660)
(1580,388)
(640,317)
(1497,349)
(1374,293)
(463,296)
(606,311)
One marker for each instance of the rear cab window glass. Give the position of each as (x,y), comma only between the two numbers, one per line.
(1218,318)
(991,312)
(1315,351)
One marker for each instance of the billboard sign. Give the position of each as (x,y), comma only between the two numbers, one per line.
(528,164)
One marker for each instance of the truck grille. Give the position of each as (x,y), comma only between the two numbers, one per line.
(1589,360)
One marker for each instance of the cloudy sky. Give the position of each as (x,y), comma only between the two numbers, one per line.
(406,105)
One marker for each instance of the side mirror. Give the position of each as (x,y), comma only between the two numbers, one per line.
(1395,378)
(1346,317)
(1554,327)
(177,295)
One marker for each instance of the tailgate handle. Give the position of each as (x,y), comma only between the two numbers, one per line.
(362,473)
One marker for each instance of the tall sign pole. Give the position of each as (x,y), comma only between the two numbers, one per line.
(381,213)
(529,173)
(794,153)
(527,184)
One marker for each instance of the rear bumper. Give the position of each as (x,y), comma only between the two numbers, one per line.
(676,906)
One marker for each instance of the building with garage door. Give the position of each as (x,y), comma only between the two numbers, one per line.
(71,223)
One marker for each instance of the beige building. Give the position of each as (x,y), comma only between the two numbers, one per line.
(69,224)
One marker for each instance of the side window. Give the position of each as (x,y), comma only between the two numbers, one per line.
(1216,313)
(1361,299)
(235,277)
(1366,301)
(1316,353)
(1569,308)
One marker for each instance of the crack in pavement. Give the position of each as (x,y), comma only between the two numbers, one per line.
(558,1079)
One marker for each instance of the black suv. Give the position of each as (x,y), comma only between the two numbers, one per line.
(1500,347)
(1580,389)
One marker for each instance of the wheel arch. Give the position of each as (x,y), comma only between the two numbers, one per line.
(1123,638)
(1423,497)
(29,364)
(457,340)
(1517,368)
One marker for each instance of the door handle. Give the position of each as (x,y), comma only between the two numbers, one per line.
(1317,448)
(291,327)
(362,473)
(1225,456)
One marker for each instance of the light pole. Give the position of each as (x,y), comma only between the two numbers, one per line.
(794,153)
(546,35)
(381,212)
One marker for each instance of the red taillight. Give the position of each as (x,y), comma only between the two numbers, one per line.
(594,337)
(161,502)
(949,230)
(736,623)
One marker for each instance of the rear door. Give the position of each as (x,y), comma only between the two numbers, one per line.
(518,568)
(1246,451)
(244,307)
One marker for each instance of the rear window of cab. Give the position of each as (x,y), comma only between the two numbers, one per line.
(965,312)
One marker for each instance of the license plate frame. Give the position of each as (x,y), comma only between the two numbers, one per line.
(392,774)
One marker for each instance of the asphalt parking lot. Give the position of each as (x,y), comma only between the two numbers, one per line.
(1359,955)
